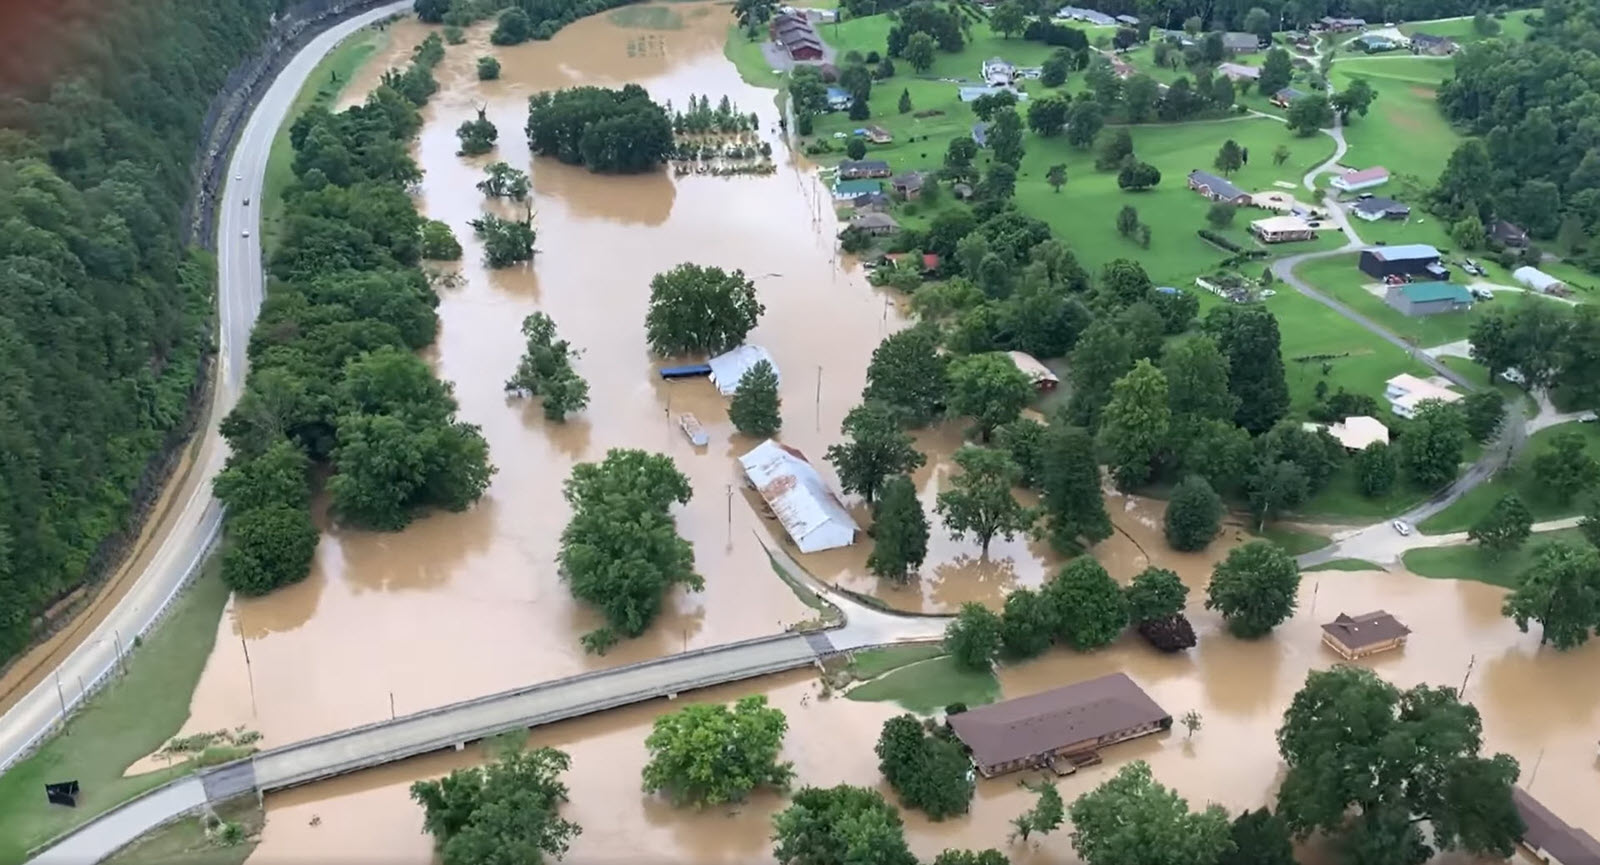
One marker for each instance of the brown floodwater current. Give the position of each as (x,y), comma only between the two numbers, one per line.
(460,605)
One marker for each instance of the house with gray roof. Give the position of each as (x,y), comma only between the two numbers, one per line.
(1366,634)
(1241,43)
(1549,838)
(1072,721)
(1217,189)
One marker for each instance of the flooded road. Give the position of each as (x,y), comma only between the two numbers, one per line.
(1539,706)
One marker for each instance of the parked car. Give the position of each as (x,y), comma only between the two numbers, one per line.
(1588,417)
(1401,527)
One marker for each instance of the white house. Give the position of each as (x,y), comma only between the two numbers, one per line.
(998,72)
(1355,432)
(1353,181)
(1537,280)
(812,515)
(727,369)
(1405,392)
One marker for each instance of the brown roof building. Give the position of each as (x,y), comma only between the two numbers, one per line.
(1076,719)
(1549,838)
(1367,634)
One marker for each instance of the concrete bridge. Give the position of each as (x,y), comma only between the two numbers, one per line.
(446,727)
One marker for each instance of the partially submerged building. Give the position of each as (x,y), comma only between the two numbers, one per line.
(1549,838)
(1367,634)
(728,368)
(1041,376)
(1062,724)
(798,497)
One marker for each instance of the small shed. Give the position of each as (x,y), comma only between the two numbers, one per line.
(1367,634)
(1041,376)
(1538,280)
(908,185)
(812,515)
(727,369)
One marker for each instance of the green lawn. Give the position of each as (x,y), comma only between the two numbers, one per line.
(1478,374)
(123,723)
(186,843)
(1345,565)
(1466,562)
(872,663)
(1339,277)
(929,686)
(1513,26)
(323,87)
(746,55)
(1519,479)
(1361,363)
(1293,541)
(1404,130)
(1342,498)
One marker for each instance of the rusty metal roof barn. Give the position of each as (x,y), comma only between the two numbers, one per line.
(798,496)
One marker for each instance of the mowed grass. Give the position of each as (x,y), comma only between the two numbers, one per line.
(1345,565)
(131,718)
(325,84)
(1467,562)
(1341,278)
(746,55)
(1513,27)
(871,663)
(185,842)
(927,687)
(1359,362)
(1404,131)
(1517,478)
(1294,541)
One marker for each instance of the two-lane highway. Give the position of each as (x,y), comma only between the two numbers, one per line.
(192,525)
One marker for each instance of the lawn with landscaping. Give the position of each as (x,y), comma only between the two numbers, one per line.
(1512,26)
(1518,478)
(928,686)
(1340,278)
(1468,562)
(131,718)
(1404,131)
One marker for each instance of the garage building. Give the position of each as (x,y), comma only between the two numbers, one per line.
(1417,260)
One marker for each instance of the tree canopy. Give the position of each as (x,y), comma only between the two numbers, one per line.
(899,531)
(877,450)
(709,754)
(1254,588)
(1560,591)
(614,131)
(1088,606)
(1132,819)
(700,310)
(506,812)
(621,551)
(841,825)
(980,500)
(1377,767)
(930,772)
(754,407)
(546,370)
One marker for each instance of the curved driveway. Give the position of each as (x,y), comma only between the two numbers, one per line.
(195,520)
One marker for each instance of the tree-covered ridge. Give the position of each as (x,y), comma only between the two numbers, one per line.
(1537,106)
(334,379)
(103,313)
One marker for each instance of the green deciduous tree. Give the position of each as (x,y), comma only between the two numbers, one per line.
(1047,116)
(620,551)
(1220,215)
(907,373)
(1007,18)
(1260,837)
(477,136)
(1376,470)
(990,389)
(1137,176)
(276,476)
(1277,69)
(1565,467)
(1485,410)
(1375,767)
(1005,137)
(505,241)
(1056,176)
(920,51)
(500,180)
(1254,588)
(1135,424)
(930,772)
(1027,624)
(1071,499)
(840,825)
(899,531)
(1230,158)
(1434,443)
(1197,385)
(971,857)
(877,450)
(1090,611)
(1046,814)
(973,637)
(980,500)
(508,811)
(1155,593)
(512,27)
(1194,515)
(268,547)
(1248,336)
(700,310)
(709,754)
(488,69)
(1133,820)
(1102,356)
(754,407)
(1504,528)
(1115,150)
(439,242)
(1560,591)
(605,130)
(1354,99)
(1310,113)
(546,370)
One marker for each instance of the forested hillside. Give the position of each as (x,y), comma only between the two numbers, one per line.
(103,313)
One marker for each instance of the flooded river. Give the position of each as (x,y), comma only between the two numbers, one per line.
(464,604)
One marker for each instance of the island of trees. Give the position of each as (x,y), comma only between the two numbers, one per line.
(614,131)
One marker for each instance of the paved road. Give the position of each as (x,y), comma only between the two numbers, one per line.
(194,524)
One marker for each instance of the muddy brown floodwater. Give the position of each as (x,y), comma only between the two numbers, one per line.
(463,604)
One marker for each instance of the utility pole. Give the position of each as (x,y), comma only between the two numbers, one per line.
(391,705)
(1535,773)
(116,635)
(62,696)
(1315,587)
(249,674)
(730,516)
(1471,662)
(818,407)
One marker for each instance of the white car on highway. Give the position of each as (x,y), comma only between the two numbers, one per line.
(1401,527)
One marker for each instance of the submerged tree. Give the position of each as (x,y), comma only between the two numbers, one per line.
(709,754)
(477,136)
(502,181)
(1254,588)
(505,241)
(754,407)
(877,450)
(696,309)
(980,500)
(899,531)
(507,811)
(546,370)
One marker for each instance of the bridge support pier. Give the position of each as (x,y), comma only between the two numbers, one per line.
(461,746)
(672,695)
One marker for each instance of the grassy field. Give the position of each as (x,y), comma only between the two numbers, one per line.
(1404,130)
(1519,479)
(1361,362)
(1339,278)
(128,720)
(1293,541)
(1478,374)
(927,687)
(1345,565)
(1466,562)
(872,663)
(185,842)
(323,87)
(1513,26)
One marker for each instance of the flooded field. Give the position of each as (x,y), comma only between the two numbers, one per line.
(1540,707)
